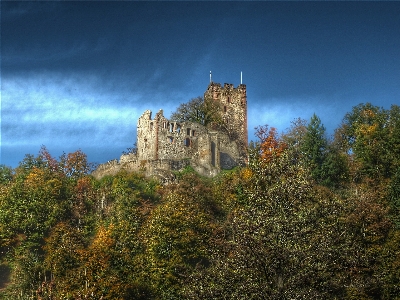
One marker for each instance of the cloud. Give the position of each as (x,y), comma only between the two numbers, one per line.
(66,112)
(54,108)
(14,9)
(280,112)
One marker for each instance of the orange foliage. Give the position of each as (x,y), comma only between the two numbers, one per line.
(271,146)
(50,161)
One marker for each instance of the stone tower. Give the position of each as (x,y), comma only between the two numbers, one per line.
(234,105)
(165,145)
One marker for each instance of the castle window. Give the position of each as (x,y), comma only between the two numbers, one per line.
(171,127)
(164,125)
(193,132)
(178,128)
(170,139)
(225,109)
(187,131)
(187,142)
(151,126)
(229,99)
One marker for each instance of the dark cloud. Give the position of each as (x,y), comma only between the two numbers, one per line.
(79,74)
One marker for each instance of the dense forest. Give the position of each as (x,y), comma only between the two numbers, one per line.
(309,217)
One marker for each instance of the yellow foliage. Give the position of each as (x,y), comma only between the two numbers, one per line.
(35,178)
(366,129)
(103,239)
(246,174)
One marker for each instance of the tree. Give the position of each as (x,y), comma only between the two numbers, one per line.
(294,136)
(269,143)
(394,198)
(372,134)
(206,112)
(131,150)
(176,236)
(314,147)
(282,243)
(63,248)
(75,164)
(334,169)
(6,174)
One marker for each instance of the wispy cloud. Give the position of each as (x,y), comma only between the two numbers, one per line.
(279,113)
(16,9)
(51,107)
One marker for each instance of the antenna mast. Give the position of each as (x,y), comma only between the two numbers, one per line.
(241,77)
(210,76)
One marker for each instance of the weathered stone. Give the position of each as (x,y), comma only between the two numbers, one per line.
(164,146)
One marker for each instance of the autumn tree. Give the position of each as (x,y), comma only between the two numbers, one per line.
(280,243)
(63,249)
(39,195)
(176,236)
(270,145)
(370,133)
(75,164)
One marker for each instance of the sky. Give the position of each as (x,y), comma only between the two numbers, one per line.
(77,75)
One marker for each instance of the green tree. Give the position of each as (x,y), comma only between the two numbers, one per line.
(394,198)
(37,198)
(282,243)
(334,169)
(176,236)
(6,174)
(206,112)
(314,147)
(63,249)
(370,132)
(294,136)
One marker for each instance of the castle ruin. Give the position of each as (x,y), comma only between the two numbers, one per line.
(164,145)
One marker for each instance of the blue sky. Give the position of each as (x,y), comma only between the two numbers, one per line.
(77,75)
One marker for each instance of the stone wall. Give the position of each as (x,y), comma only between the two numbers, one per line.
(234,105)
(164,146)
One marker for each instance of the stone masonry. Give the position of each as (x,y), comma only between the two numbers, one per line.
(164,146)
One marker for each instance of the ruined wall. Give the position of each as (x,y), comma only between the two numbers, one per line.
(164,146)
(179,140)
(234,105)
(229,153)
(128,162)
(146,135)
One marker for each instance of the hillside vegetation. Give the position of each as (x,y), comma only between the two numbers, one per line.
(310,217)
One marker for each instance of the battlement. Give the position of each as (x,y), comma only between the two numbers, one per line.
(164,145)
